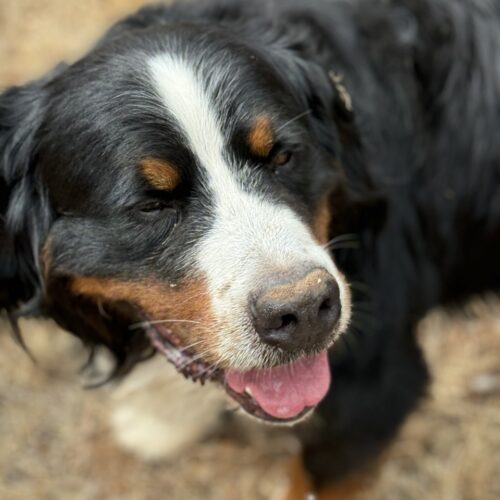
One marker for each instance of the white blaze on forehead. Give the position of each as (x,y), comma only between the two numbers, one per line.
(249,235)
(187,101)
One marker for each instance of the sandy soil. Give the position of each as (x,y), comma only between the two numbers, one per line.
(54,440)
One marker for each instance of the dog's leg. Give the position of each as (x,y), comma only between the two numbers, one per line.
(157,414)
(301,486)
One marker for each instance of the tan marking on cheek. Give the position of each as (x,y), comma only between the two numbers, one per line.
(261,137)
(186,307)
(186,301)
(321,222)
(160,174)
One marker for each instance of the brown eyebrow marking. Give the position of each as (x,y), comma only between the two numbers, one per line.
(261,137)
(160,174)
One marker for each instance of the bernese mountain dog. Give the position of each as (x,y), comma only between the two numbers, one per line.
(269,193)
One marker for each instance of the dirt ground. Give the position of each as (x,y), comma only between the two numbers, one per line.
(54,439)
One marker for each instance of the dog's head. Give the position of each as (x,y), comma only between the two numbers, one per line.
(174,186)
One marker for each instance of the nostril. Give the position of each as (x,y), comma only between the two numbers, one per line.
(287,320)
(325,310)
(326,305)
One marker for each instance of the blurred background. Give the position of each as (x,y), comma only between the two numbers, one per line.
(55,438)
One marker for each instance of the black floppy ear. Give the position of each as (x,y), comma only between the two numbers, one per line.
(24,210)
(332,110)
(322,91)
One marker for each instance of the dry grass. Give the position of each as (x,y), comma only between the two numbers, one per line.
(38,34)
(54,443)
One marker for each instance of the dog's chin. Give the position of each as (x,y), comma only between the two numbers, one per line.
(282,395)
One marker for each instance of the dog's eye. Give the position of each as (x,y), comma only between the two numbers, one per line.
(281,158)
(153,206)
(158,210)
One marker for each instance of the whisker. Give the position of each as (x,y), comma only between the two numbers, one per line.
(362,287)
(347,237)
(344,245)
(360,327)
(294,119)
(161,321)
(363,320)
(146,324)
(185,348)
(102,311)
(363,305)
(192,360)
(346,344)
(208,370)
(188,298)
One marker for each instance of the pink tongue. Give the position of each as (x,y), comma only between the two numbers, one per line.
(283,392)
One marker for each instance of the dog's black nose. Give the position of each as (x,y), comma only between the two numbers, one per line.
(297,312)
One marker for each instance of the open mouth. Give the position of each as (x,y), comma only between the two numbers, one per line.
(283,394)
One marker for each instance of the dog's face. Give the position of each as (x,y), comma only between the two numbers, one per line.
(189,199)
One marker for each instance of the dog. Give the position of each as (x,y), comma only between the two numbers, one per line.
(271,194)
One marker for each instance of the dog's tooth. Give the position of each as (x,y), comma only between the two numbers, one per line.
(249,391)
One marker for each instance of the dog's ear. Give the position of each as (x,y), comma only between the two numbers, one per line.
(329,105)
(24,210)
(325,98)
(331,109)
(297,48)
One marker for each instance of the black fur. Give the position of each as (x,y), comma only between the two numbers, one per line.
(419,181)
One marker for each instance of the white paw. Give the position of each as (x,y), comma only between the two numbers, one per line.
(157,414)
